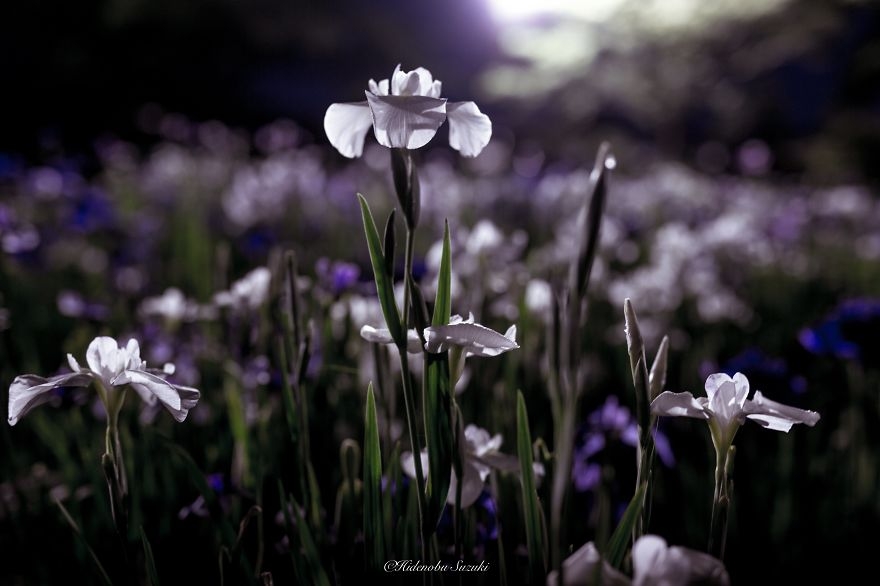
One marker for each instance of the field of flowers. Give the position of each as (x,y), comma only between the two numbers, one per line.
(223,350)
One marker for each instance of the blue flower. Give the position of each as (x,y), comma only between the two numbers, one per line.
(848,332)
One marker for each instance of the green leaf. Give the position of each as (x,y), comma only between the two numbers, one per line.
(620,538)
(657,377)
(531,506)
(594,205)
(374,532)
(105,578)
(438,428)
(443,301)
(384,284)
(389,245)
(149,561)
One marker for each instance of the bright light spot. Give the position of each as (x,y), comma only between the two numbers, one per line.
(591,10)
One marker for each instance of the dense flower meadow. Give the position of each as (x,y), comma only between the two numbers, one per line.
(257,358)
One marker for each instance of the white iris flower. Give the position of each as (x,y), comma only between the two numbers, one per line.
(406,112)
(726,407)
(112,368)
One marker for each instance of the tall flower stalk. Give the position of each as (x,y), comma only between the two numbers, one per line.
(566,372)
(725,408)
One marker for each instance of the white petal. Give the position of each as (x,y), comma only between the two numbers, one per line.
(376,335)
(678,405)
(132,354)
(408,464)
(714,381)
(380,88)
(406,121)
(346,126)
(427,85)
(724,404)
(74,365)
(510,334)
(406,83)
(777,416)
(648,552)
(162,389)
(28,391)
(505,462)
(471,488)
(655,564)
(383,336)
(742,388)
(102,357)
(469,129)
(582,568)
(478,340)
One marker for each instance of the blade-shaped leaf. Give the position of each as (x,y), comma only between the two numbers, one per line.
(620,538)
(657,377)
(105,578)
(531,506)
(374,531)
(580,273)
(149,561)
(443,301)
(438,428)
(384,284)
(388,247)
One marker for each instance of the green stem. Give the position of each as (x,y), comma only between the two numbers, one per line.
(408,396)
(720,506)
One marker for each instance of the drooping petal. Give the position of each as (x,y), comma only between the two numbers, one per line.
(501,462)
(657,564)
(376,335)
(346,126)
(585,567)
(777,416)
(406,121)
(471,487)
(678,405)
(476,339)
(469,129)
(166,392)
(28,391)
(383,336)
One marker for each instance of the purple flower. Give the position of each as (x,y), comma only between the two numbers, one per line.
(849,332)
(336,276)
(609,425)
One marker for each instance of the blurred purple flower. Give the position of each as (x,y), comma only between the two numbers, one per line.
(336,276)
(72,304)
(610,424)
(848,332)
(767,372)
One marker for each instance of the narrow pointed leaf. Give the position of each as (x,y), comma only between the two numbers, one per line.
(438,428)
(384,284)
(657,377)
(620,538)
(388,247)
(531,506)
(374,531)
(149,561)
(594,204)
(443,301)
(105,578)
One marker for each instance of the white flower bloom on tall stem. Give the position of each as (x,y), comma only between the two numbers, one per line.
(481,455)
(725,409)
(406,112)
(113,369)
